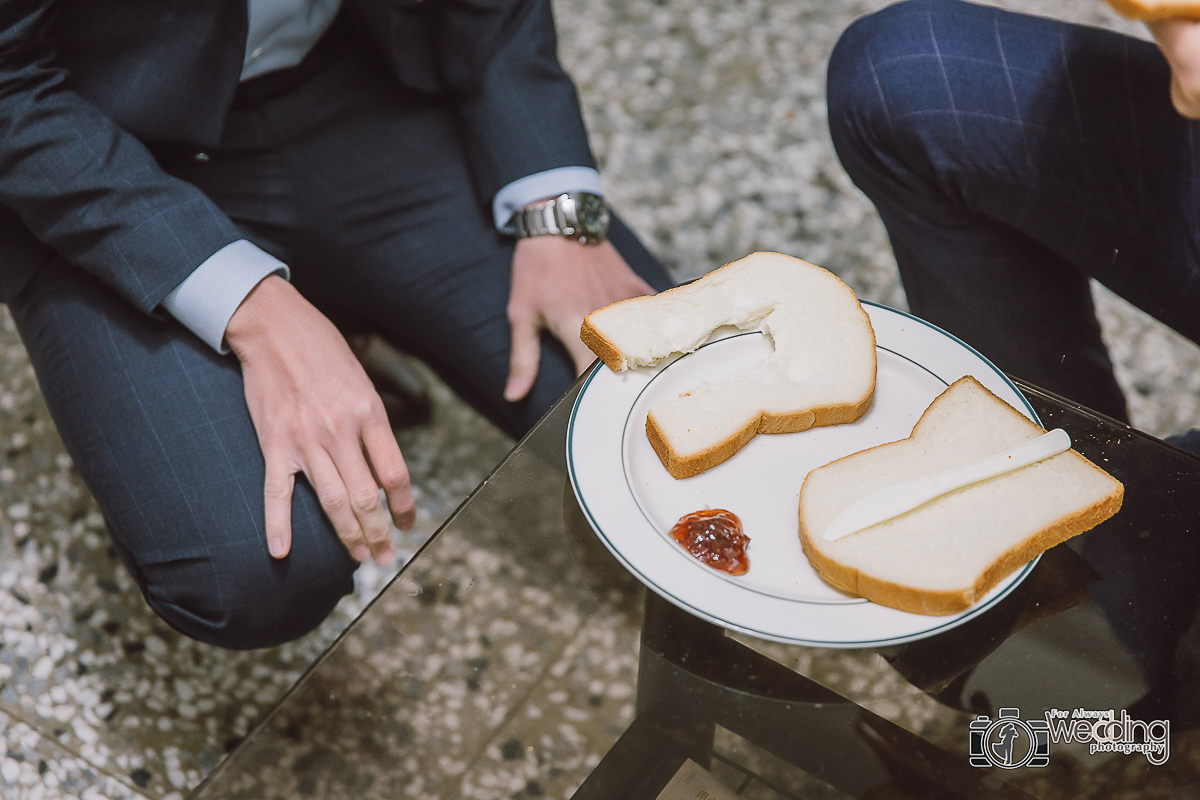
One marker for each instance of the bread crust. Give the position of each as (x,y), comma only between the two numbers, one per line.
(680,466)
(940,603)
(599,344)
(1150,10)
(602,346)
(933,602)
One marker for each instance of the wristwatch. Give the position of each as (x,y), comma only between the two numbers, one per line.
(582,216)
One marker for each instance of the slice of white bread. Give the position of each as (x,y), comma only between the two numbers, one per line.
(1148,10)
(821,373)
(942,557)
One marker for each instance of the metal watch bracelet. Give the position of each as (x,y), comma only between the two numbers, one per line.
(559,216)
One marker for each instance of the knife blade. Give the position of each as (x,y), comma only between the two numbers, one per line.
(893,501)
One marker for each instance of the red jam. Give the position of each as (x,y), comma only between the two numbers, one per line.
(715,537)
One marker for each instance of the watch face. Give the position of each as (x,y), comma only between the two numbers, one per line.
(592,214)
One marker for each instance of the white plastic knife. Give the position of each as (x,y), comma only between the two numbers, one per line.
(895,500)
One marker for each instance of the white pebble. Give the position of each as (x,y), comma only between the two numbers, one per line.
(573,714)
(83,731)
(620,691)
(43,668)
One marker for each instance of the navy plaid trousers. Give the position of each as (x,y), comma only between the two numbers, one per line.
(363,189)
(1012,158)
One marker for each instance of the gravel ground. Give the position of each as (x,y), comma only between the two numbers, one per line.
(708,118)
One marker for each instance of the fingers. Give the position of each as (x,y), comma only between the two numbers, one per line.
(1186,101)
(312,406)
(580,353)
(277,504)
(555,282)
(335,498)
(391,473)
(525,357)
(527,353)
(366,504)
(583,358)
(1179,40)
(347,487)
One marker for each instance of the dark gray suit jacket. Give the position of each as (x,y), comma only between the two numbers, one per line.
(89,87)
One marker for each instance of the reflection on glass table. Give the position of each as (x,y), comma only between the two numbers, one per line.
(514,657)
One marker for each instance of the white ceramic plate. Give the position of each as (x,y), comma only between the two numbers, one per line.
(632,502)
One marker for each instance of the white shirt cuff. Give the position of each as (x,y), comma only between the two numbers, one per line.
(550,183)
(206,300)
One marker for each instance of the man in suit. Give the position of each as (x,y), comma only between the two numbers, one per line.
(181,179)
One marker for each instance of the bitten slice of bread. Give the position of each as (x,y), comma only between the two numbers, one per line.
(942,557)
(821,373)
(1149,10)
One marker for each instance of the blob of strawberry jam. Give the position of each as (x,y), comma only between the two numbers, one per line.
(715,537)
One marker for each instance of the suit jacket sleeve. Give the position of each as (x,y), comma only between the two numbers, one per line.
(85,187)
(497,59)
(520,110)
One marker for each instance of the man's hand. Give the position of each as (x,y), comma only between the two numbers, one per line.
(316,412)
(556,283)
(1179,40)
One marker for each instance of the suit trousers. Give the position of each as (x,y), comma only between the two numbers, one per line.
(361,188)
(1011,159)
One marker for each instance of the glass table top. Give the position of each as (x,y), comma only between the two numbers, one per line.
(514,657)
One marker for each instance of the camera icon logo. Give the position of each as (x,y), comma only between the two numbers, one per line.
(1009,742)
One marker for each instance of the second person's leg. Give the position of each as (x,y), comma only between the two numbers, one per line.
(1011,158)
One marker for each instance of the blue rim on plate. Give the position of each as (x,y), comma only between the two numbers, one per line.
(602,474)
